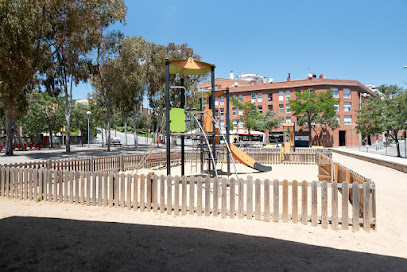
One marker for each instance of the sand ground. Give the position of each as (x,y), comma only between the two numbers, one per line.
(48,236)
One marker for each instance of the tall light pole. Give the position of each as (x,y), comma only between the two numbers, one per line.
(405,135)
(88,113)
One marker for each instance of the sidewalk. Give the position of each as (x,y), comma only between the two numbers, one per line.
(399,164)
(380,149)
(95,150)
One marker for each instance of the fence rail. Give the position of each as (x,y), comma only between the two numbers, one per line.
(129,162)
(269,200)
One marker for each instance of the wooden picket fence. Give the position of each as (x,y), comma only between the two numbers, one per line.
(268,200)
(130,162)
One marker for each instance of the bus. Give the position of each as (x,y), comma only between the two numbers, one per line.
(241,137)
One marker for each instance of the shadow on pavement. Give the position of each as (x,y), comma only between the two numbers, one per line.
(32,243)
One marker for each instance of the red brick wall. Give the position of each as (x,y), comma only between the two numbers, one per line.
(332,137)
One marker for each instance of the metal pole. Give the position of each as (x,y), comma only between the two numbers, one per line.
(201,139)
(167,114)
(88,131)
(214,117)
(228,128)
(182,137)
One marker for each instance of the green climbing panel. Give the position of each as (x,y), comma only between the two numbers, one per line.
(177,118)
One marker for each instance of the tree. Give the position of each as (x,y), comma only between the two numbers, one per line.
(80,119)
(77,31)
(251,117)
(24,30)
(132,57)
(314,108)
(384,114)
(106,78)
(43,115)
(269,121)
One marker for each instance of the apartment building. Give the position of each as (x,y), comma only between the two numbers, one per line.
(275,96)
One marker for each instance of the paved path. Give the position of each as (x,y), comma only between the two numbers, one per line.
(373,155)
(379,148)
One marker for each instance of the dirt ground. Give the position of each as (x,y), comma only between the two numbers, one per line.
(47,236)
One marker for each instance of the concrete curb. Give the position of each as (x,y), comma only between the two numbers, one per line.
(394,165)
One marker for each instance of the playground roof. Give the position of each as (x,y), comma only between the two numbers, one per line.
(189,67)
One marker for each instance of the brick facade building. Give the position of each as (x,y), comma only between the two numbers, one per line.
(274,96)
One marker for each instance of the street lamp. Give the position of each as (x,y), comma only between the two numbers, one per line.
(88,113)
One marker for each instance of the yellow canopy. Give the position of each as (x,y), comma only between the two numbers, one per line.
(189,67)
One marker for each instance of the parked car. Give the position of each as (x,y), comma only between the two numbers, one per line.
(115,141)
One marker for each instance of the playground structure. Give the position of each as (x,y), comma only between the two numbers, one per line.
(210,132)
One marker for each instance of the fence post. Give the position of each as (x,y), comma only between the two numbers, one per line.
(121,166)
(90,164)
(49,164)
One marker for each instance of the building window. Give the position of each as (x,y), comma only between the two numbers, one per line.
(288,108)
(281,108)
(270,97)
(253,98)
(346,93)
(287,95)
(234,111)
(346,106)
(222,112)
(347,120)
(260,109)
(337,107)
(222,100)
(270,107)
(280,95)
(222,123)
(312,91)
(337,118)
(240,124)
(216,112)
(216,101)
(335,92)
(259,97)
(288,119)
(235,123)
(240,98)
(240,112)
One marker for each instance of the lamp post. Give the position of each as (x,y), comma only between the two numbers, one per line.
(88,113)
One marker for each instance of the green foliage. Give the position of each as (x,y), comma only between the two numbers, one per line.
(314,109)
(251,117)
(270,121)
(49,37)
(384,114)
(43,114)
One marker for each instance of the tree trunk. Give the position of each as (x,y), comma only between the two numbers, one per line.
(135,130)
(68,132)
(68,108)
(125,130)
(108,125)
(397,143)
(103,139)
(9,131)
(309,129)
(50,138)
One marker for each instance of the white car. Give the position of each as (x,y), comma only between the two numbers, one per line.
(115,141)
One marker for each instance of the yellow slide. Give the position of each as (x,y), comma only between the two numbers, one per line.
(245,159)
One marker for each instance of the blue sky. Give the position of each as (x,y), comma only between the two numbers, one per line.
(359,40)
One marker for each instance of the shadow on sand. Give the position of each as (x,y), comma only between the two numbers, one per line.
(32,243)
